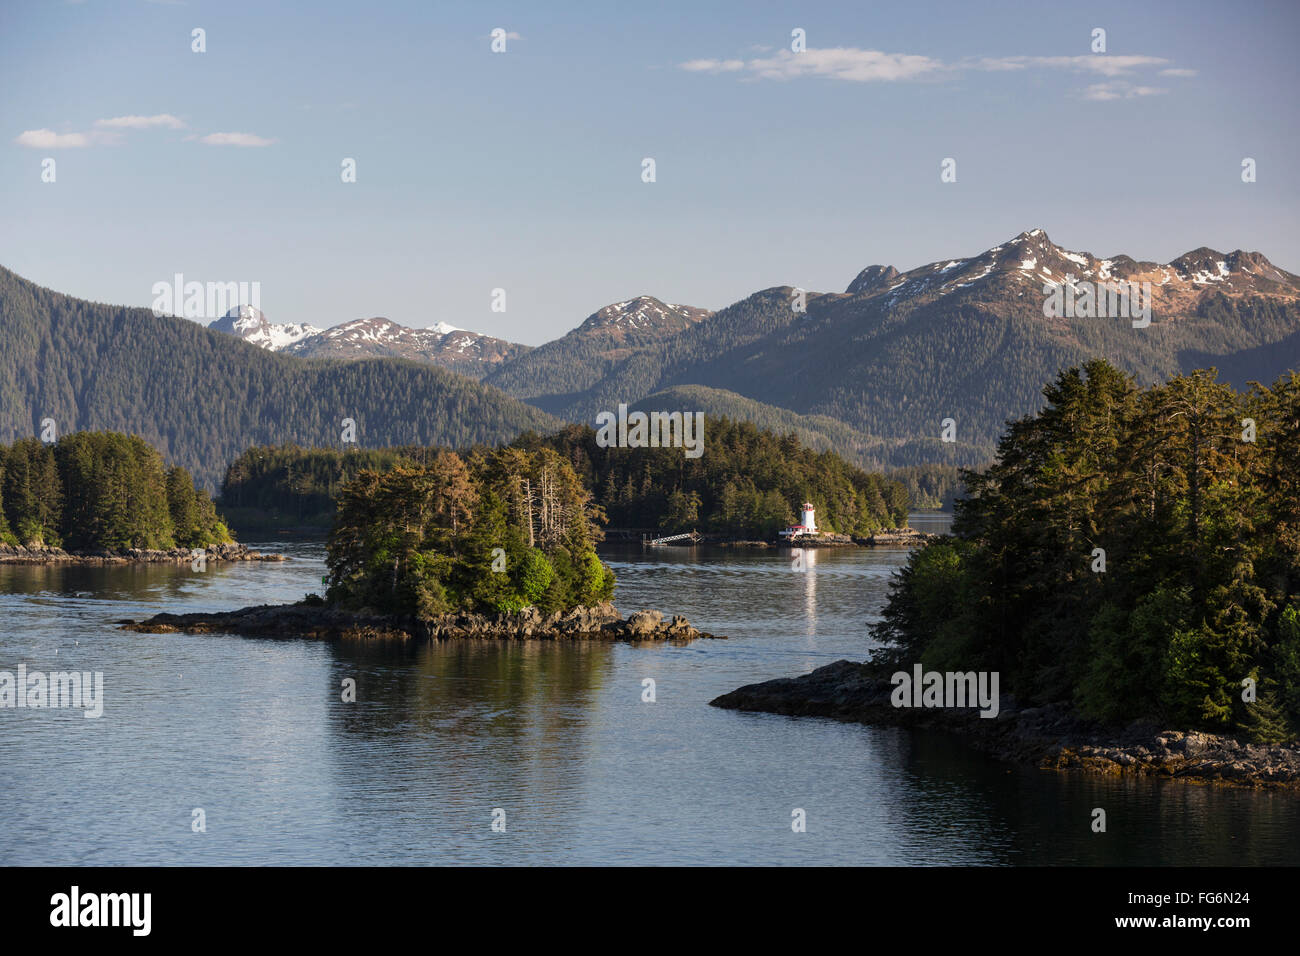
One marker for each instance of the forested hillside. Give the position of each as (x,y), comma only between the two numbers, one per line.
(748,483)
(551,375)
(931,486)
(291,487)
(101,491)
(818,432)
(877,373)
(1134,552)
(201,397)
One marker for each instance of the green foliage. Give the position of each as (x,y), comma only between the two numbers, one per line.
(288,484)
(1286,660)
(494,531)
(534,575)
(1198,525)
(936,603)
(32,494)
(747,483)
(194,518)
(94,491)
(6,536)
(930,486)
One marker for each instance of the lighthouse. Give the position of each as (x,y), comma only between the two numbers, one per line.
(807,526)
(809,523)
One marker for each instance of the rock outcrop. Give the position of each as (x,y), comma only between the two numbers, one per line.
(1051,737)
(11,554)
(907,536)
(601,622)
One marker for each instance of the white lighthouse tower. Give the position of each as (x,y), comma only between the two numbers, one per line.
(809,522)
(807,525)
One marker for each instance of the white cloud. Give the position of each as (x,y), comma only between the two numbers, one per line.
(1103,63)
(866,66)
(713,66)
(48,139)
(838,63)
(235,139)
(1102,92)
(165,120)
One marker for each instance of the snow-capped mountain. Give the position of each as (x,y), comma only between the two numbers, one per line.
(247,323)
(969,338)
(443,344)
(581,357)
(466,352)
(1022,266)
(644,313)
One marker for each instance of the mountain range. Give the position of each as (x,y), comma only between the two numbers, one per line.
(896,353)
(872,371)
(468,353)
(202,398)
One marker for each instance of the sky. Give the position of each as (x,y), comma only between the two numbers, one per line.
(523,170)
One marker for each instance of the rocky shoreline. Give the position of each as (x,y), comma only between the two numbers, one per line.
(888,536)
(908,536)
(11,554)
(1048,737)
(600,623)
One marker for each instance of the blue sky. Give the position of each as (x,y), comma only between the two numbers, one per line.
(522,170)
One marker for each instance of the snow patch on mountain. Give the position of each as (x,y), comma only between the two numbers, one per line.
(249,324)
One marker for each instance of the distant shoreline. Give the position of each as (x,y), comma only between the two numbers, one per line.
(11,554)
(888,536)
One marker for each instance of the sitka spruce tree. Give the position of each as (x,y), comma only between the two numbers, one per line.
(1135,552)
(491,531)
(101,491)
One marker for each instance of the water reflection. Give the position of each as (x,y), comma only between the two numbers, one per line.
(556,734)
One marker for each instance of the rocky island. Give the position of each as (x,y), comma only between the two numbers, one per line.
(1128,564)
(497,545)
(1051,737)
(312,619)
(214,553)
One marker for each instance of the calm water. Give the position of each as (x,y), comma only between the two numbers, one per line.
(253,731)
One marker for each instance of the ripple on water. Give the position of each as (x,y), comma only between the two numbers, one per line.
(254,732)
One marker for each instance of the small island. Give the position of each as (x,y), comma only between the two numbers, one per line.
(497,544)
(1128,568)
(106,498)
